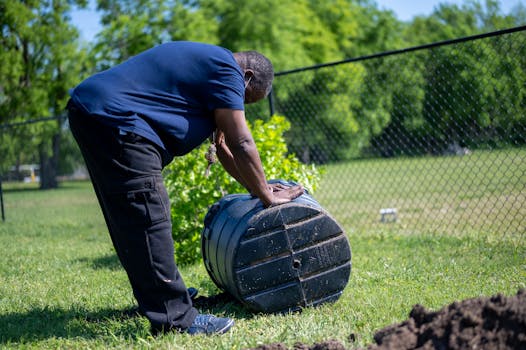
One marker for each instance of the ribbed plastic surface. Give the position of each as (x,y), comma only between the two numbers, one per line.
(277,259)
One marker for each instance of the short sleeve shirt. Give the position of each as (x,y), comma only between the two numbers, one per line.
(166,94)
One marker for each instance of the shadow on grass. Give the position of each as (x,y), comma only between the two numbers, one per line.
(217,302)
(44,323)
(14,187)
(109,262)
(222,304)
(21,189)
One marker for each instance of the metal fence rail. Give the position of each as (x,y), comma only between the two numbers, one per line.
(425,139)
(2,201)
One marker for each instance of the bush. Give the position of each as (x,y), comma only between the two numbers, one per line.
(191,192)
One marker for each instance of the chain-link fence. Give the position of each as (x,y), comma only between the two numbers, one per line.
(427,139)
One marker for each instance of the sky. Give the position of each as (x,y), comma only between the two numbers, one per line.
(88,20)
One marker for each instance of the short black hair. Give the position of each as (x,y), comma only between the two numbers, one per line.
(263,70)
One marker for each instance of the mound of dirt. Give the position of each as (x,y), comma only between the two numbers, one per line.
(497,322)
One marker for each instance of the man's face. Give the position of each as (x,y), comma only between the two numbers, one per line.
(252,96)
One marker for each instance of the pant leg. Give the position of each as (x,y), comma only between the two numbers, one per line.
(126,175)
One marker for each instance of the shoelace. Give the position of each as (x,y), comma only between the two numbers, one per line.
(202,320)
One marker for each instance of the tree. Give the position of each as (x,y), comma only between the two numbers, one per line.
(40,61)
(336,110)
(130,27)
(473,89)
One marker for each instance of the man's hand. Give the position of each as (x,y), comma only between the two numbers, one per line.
(275,187)
(283,194)
(240,158)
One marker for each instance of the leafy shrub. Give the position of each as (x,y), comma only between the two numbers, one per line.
(191,192)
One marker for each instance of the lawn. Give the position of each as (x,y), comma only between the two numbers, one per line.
(61,285)
(484,191)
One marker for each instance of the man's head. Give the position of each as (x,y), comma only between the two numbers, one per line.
(258,72)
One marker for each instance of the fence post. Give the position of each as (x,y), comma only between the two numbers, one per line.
(271,102)
(2,200)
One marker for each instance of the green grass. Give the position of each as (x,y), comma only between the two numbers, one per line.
(61,285)
(481,192)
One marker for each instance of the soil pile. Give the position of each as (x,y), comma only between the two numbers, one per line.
(497,322)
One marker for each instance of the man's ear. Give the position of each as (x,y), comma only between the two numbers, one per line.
(249,73)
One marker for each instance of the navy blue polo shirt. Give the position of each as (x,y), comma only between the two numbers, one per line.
(166,94)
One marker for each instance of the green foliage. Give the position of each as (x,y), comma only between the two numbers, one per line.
(466,94)
(289,32)
(334,130)
(39,61)
(191,192)
(136,25)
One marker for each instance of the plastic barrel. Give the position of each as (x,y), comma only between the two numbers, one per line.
(276,259)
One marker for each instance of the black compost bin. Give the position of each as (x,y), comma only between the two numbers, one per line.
(277,259)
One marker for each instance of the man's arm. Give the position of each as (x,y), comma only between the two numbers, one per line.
(227,159)
(241,158)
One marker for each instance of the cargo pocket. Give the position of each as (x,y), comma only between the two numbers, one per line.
(139,202)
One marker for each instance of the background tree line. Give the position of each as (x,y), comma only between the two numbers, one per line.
(42,57)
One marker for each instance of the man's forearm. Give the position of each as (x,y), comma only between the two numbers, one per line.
(227,161)
(247,162)
(232,124)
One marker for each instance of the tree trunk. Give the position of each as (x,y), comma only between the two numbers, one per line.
(49,164)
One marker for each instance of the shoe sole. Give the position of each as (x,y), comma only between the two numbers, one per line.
(226,328)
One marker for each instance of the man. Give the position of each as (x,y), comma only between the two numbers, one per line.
(131,120)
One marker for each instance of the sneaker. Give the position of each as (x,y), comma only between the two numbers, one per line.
(192,292)
(209,324)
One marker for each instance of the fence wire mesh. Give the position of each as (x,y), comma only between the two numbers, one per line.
(425,140)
